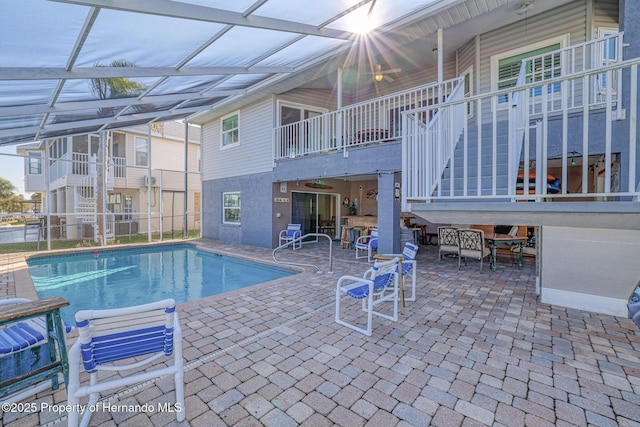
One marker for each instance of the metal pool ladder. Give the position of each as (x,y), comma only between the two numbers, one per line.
(306,265)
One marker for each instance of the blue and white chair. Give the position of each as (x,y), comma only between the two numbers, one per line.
(367,243)
(409,267)
(33,354)
(291,234)
(378,285)
(107,337)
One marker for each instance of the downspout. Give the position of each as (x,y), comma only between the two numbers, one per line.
(149,184)
(185,232)
(48,193)
(440,57)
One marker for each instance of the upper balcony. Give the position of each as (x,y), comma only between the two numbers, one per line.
(559,134)
(72,167)
(357,125)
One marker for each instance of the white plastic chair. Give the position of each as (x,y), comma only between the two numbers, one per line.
(29,345)
(292,233)
(367,243)
(409,267)
(378,284)
(108,336)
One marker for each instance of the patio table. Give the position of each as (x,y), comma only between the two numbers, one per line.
(494,238)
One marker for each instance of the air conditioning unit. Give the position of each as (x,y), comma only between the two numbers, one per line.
(146,181)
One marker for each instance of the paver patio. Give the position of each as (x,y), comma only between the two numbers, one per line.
(473,349)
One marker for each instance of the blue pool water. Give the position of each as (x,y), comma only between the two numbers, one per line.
(120,278)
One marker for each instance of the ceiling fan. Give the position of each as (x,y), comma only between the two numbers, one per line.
(379,74)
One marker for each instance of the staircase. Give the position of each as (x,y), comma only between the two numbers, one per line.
(461,178)
(86,207)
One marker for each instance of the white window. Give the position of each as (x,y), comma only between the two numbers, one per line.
(230,126)
(468,88)
(34,163)
(231,208)
(607,54)
(505,67)
(141,151)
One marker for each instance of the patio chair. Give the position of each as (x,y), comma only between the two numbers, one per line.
(472,246)
(409,267)
(291,234)
(107,338)
(33,354)
(378,284)
(367,243)
(447,241)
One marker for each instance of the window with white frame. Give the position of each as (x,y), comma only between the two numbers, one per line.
(607,54)
(34,165)
(468,88)
(231,207)
(505,67)
(141,151)
(230,126)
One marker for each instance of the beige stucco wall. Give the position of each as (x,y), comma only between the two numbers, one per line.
(589,268)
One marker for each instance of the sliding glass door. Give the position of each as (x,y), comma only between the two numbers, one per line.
(311,210)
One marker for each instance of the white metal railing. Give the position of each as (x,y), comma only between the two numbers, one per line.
(85,190)
(431,137)
(118,167)
(591,55)
(540,146)
(372,121)
(60,167)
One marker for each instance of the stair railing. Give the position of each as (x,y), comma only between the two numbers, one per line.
(429,138)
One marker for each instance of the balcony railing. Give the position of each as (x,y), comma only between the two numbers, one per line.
(372,121)
(81,164)
(483,163)
(580,58)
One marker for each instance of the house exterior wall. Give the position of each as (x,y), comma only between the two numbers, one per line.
(256,197)
(590,269)
(252,154)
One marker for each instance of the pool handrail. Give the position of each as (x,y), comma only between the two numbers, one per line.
(299,239)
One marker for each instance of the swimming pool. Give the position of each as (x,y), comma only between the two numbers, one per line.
(123,277)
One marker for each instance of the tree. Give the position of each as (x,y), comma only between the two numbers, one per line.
(7,189)
(9,201)
(115,87)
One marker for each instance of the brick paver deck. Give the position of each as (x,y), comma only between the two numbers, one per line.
(473,349)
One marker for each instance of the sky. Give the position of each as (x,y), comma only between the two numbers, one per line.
(12,169)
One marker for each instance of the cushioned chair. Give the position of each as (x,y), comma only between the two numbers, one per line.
(108,338)
(378,285)
(367,243)
(33,353)
(291,234)
(471,243)
(447,241)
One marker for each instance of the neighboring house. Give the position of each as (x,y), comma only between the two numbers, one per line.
(546,89)
(144,187)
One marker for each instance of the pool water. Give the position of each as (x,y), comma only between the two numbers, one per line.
(120,278)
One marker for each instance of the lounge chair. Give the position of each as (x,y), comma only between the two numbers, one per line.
(108,336)
(33,352)
(291,234)
(378,284)
(367,243)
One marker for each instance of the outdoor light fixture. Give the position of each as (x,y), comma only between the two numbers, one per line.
(574,154)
